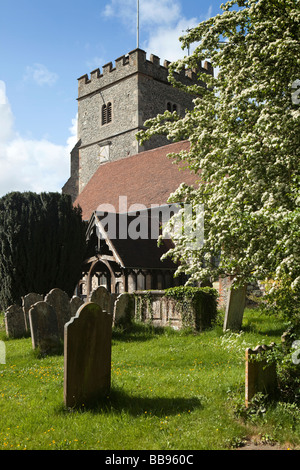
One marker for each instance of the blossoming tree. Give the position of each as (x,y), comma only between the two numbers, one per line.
(244,134)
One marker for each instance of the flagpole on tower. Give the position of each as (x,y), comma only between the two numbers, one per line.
(138,24)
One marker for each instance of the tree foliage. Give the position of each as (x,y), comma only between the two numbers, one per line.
(244,134)
(42,245)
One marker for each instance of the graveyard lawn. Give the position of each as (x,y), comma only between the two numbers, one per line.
(170,391)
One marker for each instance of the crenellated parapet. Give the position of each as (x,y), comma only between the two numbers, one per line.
(132,63)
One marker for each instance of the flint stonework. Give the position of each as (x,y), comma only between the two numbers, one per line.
(87,356)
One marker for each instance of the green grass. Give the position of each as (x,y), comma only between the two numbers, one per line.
(170,391)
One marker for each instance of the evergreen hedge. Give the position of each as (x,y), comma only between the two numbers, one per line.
(42,245)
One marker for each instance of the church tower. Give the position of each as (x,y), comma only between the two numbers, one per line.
(113,106)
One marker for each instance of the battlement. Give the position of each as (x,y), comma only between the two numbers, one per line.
(132,63)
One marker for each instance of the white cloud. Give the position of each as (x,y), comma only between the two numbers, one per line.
(159,12)
(161,23)
(28,164)
(6,115)
(40,75)
(95,63)
(165,43)
(154,12)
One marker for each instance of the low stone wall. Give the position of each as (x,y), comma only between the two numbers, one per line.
(155,308)
(178,308)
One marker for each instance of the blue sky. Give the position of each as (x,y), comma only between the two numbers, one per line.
(44,47)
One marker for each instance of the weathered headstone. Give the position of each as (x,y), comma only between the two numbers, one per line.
(75,304)
(124,309)
(87,356)
(27,302)
(44,328)
(102,297)
(60,301)
(15,322)
(260,375)
(235,307)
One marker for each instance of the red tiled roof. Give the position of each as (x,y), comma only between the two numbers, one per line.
(145,178)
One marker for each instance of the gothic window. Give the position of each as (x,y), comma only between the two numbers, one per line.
(159,281)
(172,107)
(141,281)
(106,113)
(103,281)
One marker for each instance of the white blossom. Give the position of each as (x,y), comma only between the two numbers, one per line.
(245,142)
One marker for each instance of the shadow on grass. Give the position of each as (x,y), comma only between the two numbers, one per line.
(140,332)
(118,402)
(257,327)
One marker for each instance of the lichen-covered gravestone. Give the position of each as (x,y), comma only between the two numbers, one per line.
(102,297)
(235,307)
(27,302)
(15,322)
(75,304)
(60,301)
(260,375)
(124,309)
(87,356)
(44,328)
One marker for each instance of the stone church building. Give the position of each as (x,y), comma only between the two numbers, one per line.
(112,175)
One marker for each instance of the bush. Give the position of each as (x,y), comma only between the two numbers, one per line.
(42,245)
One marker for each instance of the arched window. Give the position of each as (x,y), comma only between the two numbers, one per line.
(159,281)
(106,113)
(141,281)
(172,107)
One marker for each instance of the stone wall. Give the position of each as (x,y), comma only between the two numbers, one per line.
(153,307)
(160,309)
(71,187)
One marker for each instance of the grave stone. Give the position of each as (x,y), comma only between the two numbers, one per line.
(27,302)
(60,301)
(235,307)
(124,309)
(44,328)
(102,297)
(260,375)
(87,356)
(15,322)
(75,304)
